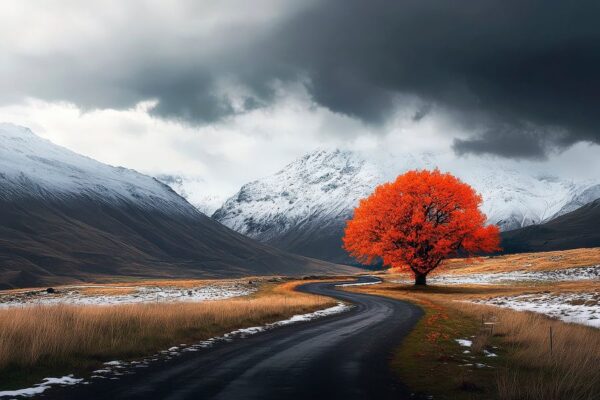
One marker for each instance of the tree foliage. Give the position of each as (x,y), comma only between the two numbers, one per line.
(419,220)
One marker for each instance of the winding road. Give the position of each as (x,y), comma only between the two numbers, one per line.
(343,356)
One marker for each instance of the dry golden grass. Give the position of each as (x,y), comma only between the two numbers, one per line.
(531,369)
(541,261)
(449,293)
(67,336)
(526,369)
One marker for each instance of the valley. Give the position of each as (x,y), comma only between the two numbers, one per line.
(113,257)
(321,200)
(303,208)
(474,315)
(69,219)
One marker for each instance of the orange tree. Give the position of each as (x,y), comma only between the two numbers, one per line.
(417,221)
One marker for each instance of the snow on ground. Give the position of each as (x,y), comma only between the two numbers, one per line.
(358,284)
(581,308)
(114,369)
(41,387)
(340,307)
(567,274)
(468,360)
(139,294)
(488,353)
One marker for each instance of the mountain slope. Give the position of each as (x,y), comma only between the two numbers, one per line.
(65,217)
(575,229)
(303,207)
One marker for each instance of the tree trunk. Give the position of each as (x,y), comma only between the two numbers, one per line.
(420,279)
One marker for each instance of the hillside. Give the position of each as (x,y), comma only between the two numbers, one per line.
(575,229)
(66,218)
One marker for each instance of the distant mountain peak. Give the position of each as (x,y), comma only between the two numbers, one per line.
(311,198)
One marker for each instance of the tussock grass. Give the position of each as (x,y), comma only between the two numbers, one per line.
(525,368)
(569,371)
(531,369)
(66,337)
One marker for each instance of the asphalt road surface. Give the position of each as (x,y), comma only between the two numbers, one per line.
(343,356)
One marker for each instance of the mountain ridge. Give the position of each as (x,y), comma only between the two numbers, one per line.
(303,207)
(575,229)
(67,218)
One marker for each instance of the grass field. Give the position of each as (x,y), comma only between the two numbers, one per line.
(508,356)
(431,361)
(544,261)
(38,340)
(524,367)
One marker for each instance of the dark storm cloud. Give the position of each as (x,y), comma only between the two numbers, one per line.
(511,139)
(513,73)
(517,72)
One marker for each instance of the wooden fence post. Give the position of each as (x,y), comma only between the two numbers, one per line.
(550,340)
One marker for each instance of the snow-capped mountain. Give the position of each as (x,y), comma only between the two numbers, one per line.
(66,218)
(194,190)
(585,194)
(320,188)
(303,207)
(575,229)
(31,166)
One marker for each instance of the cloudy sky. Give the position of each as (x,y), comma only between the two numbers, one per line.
(233,90)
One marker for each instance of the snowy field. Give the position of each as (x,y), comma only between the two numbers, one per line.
(134,294)
(580,308)
(559,275)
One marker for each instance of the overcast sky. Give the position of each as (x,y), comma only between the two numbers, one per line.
(233,90)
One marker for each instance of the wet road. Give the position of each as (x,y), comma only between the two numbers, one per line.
(343,356)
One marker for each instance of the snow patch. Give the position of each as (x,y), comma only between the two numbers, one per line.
(464,342)
(558,275)
(141,294)
(113,363)
(244,332)
(580,308)
(359,284)
(41,387)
